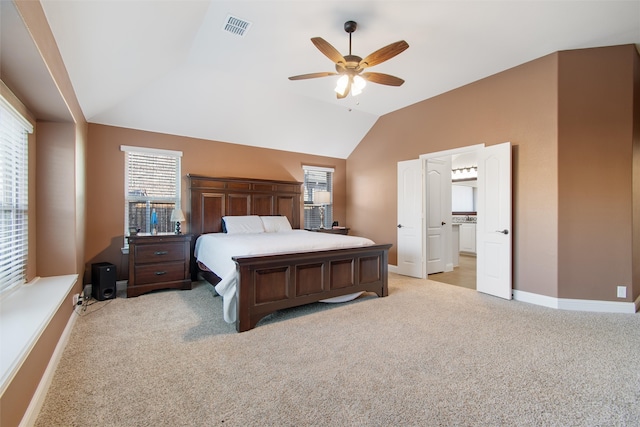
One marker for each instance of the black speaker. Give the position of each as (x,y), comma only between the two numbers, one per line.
(103,281)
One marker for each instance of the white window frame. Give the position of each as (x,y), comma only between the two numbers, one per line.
(150,151)
(311,218)
(14,197)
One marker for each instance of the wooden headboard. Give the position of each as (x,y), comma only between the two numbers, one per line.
(213,198)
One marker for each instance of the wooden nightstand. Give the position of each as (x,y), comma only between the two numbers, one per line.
(158,262)
(344,230)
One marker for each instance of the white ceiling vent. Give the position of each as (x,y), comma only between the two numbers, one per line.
(236,26)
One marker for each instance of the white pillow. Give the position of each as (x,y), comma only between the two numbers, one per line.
(274,224)
(243,224)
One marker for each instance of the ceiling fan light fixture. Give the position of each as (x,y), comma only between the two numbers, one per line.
(358,84)
(341,85)
(349,67)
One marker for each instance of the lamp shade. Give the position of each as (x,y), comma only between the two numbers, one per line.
(177,215)
(321,197)
(358,84)
(341,85)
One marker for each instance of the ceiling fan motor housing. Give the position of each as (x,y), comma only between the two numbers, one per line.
(351,64)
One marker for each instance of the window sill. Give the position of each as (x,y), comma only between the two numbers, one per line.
(24,315)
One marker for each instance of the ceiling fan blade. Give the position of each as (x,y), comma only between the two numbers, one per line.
(383,79)
(384,54)
(312,75)
(328,50)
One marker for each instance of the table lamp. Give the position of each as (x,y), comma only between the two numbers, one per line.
(177,216)
(321,198)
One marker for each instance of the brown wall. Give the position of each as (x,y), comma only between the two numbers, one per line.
(105,180)
(56,199)
(569,117)
(595,135)
(518,105)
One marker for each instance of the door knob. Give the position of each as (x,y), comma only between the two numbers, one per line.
(444,223)
(505,231)
(399,225)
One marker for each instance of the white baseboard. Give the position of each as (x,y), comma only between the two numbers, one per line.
(31,414)
(569,304)
(576,304)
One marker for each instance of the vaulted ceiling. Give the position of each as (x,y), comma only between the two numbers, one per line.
(169,66)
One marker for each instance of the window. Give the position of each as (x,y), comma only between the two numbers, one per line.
(317,179)
(14,176)
(152,189)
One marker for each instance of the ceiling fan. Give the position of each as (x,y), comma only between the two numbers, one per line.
(350,67)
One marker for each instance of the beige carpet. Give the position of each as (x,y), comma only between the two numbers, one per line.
(429,354)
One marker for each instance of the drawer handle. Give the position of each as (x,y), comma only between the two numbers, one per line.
(160,273)
(161,252)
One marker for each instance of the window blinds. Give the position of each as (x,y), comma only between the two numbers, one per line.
(14,200)
(152,186)
(152,177)
(317,178)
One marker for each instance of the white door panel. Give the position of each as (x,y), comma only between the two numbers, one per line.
(410,236)
(438,213)
(493,232)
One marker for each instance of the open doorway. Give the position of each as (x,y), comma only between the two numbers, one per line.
(417,217)
(462,205)
(463,275)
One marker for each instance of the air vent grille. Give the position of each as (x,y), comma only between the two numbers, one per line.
(237,26)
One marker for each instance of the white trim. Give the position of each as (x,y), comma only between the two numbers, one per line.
(536,299)
(158,151)
(392,268)
(577,304)
(452,152)
(32,412)
(24,315)
(16,114)
(317,168)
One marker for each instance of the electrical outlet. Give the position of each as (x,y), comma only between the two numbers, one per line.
(622,291)
(76,297)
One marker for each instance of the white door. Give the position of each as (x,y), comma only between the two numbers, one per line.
(410,241)
(438,213)
(493,229)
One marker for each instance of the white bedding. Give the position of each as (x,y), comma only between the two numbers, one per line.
(215,251)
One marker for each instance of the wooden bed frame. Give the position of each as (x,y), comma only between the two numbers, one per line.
(268,283)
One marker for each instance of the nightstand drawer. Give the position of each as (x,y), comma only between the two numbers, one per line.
(159,261)
(159,253)
(162,272)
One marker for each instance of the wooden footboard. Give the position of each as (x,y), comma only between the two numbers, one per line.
(274,282)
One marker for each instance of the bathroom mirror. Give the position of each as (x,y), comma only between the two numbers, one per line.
(464,196)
